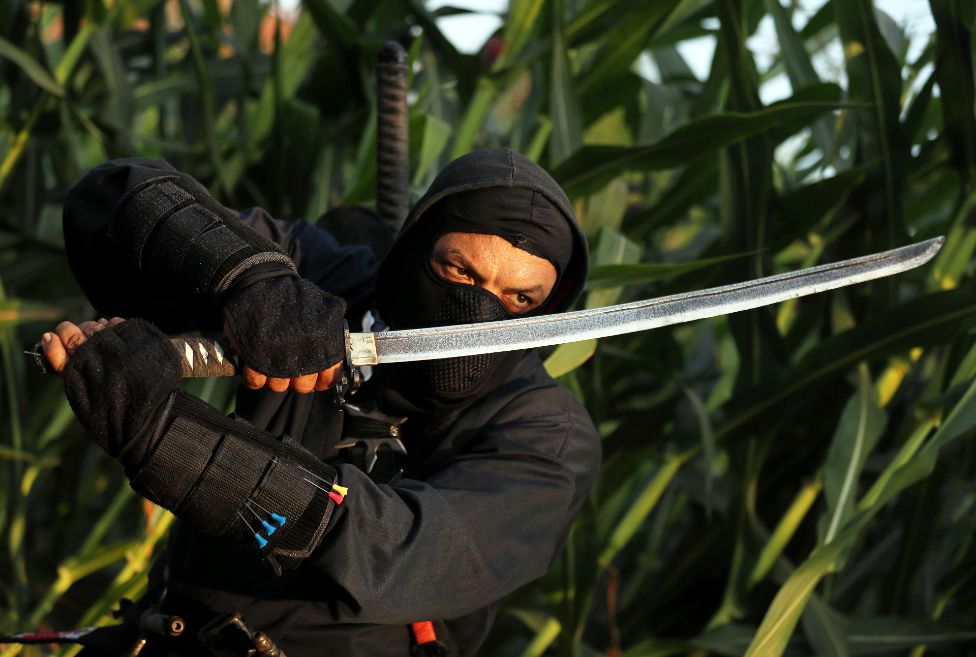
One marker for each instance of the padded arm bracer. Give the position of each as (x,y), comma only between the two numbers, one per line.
(181,241)
(265,494)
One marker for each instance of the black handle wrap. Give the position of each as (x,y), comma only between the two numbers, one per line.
(203,357)
(392,137)
(199,357)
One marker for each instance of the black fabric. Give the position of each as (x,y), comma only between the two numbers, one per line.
(492,492)
(435,387)
(524,217)
(358,224)
(157,230)
(286,326)
(504,170)
(490,488)
(262,493)
(518,201)
(118,381)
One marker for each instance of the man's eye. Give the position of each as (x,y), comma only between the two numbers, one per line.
(523,300)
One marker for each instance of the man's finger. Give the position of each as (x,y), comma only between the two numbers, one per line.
(253,379)
(90,328)
(276,384)
(54,351)
(328,378)
(115,321)
(71,336)
(304,384)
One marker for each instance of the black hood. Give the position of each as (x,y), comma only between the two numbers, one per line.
(495,168)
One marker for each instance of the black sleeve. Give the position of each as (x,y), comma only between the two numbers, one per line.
(498,514)
(103,268)
(346,271)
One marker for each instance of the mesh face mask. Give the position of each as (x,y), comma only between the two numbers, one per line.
(454,376)
(409,294)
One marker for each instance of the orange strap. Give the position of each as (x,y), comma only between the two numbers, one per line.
(423,632)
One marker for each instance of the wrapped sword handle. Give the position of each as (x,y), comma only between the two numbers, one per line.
(206,357)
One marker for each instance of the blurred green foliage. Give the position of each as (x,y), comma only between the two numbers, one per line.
(792,480)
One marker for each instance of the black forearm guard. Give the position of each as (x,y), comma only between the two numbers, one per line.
(182,242)
(266,494)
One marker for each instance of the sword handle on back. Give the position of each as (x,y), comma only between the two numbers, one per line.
(392,137)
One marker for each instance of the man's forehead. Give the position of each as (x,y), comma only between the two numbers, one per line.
(492,255)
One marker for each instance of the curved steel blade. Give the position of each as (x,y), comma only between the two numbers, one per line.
(545,330)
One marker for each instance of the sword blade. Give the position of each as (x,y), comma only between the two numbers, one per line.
(546,330)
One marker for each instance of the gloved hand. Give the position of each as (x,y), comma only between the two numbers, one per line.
(117,381)
(288,331)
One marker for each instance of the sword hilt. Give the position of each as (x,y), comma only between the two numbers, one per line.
(392,137)
(206,357)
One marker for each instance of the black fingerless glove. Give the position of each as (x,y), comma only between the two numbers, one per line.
(117,383)
(286,326)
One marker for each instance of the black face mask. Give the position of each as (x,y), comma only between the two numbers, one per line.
(449,377)
(423,299)
(410,295)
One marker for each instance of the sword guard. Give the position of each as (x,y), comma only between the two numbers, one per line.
(354,377)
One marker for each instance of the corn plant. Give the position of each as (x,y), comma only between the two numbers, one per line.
(792,480)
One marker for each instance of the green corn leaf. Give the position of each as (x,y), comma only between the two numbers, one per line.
(567,131)
(362,182)
(567,357)
(621,45)
(800,70)
(746,193)
(612,247)
(539,139)
(931,319)
(300,52)
(592,167)
(784,613)
(543,638)
(966,370)
(693,186)
(785,530)
(825,629)
(436,133)
(875,80)
(957,84)
(32,68)
(886,635)
(685,10)
(485,94)
(603,276)
(953,261)
(594,18)
(334,25)
(207,100)
(960,419)
(523,20)
(861,424)
(642,505)
(606,209)
(800,210)
(782,616)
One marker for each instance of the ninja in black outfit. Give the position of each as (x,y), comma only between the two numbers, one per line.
(499,457)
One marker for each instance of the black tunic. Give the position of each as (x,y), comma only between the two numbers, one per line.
(484,506)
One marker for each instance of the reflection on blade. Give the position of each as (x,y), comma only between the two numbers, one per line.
(489,337)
